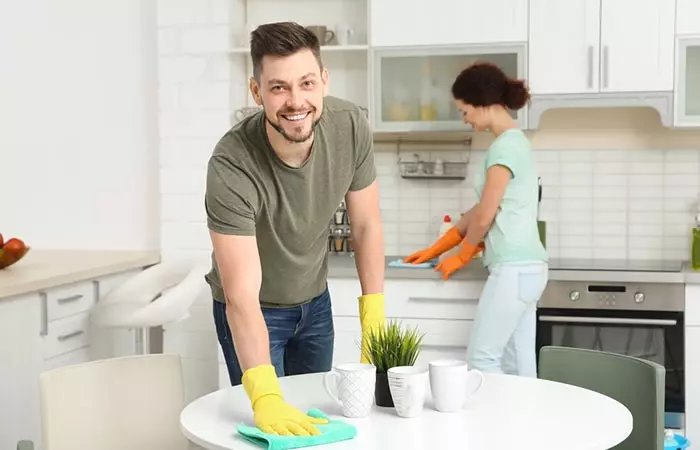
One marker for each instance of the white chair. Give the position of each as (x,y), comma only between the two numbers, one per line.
(132,402)
(159,295)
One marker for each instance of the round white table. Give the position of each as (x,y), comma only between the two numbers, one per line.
(508,412)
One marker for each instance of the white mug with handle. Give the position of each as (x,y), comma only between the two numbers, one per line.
(354,384)
(452,383)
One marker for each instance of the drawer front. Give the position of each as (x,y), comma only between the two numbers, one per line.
(420,299)
(64,301)
(66,335)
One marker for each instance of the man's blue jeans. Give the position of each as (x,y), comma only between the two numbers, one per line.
(301,338)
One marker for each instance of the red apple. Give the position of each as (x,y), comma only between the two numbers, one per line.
(1,241)
(15,246)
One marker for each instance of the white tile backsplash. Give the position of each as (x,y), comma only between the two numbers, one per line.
(597,203)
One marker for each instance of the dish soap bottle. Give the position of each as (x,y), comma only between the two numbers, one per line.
(444,228)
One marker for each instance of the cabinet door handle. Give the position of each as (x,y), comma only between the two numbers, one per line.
(605,66)
(590,66)
(71,299)
(44,329)
(64,337)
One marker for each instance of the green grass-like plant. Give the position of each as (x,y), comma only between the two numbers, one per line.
(392,346)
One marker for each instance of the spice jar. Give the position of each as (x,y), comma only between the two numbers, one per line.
(338,241)
(349,244)
(339,216)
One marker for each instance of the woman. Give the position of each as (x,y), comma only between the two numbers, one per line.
(505,219)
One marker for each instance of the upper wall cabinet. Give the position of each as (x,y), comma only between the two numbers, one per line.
(412,85)
(687,100)
(447,22)
(687,91)
(598,46)
(637,43)
(687,17)
(564,46)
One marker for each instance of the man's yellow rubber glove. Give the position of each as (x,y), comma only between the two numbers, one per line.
(371,318)
(270,412)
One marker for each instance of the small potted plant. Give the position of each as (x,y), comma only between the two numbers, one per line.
(389,347)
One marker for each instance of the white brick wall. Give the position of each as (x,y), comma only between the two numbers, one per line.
(194,88)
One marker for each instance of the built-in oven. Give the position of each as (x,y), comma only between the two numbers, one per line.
(642,319)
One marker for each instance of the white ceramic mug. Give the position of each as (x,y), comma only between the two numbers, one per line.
(452,383)
(409,387)
(354,383)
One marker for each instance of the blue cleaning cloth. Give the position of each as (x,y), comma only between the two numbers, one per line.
(426,265)
(333,431)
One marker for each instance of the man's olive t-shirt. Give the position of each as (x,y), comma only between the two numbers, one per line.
(252,192)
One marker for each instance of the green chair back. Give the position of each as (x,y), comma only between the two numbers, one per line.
(636,383)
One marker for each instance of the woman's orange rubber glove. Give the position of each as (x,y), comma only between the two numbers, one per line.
(449,240)
(452,264)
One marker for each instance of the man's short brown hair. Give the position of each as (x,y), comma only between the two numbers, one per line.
(281,39)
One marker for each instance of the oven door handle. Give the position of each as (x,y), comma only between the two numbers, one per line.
(609,320)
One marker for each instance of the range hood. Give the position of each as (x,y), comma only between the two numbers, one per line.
(662,102)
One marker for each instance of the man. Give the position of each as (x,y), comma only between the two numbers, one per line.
(274,182)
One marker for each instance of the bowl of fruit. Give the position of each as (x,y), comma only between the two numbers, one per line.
(11,251)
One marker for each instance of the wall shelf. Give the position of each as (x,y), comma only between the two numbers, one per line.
(425,170)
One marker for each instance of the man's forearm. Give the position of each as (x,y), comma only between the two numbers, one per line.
(250,336)
(369,257)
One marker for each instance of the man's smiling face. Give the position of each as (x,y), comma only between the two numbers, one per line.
(291,90)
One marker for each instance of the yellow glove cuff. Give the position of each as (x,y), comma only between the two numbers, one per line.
(261,381)
(371,306)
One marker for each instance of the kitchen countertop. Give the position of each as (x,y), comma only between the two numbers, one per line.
(43,269)
(343,266)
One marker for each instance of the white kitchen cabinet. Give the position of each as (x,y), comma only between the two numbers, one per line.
(687,14)
(444,311)
(637,45)
(397,23)
(41,331)
(601,46)
(687,92)
(692,362)
(692,384)
(412,85)
(564,46)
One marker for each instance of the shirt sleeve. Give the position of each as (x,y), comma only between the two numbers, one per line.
(365,171)
(231,199)
(504,155)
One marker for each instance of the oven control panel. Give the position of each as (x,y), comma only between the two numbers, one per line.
(639,296)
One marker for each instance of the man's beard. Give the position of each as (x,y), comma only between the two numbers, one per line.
(293,139)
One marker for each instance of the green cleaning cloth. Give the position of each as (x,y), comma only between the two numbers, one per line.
(333,431)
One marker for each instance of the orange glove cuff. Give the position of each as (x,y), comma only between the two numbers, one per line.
(467,251)
(449,240)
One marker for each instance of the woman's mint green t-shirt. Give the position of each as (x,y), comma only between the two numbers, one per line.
(514,235)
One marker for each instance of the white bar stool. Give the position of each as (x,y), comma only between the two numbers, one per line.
(159,295)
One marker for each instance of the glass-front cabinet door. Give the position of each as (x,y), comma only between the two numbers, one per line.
(688,82)
(412,85)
